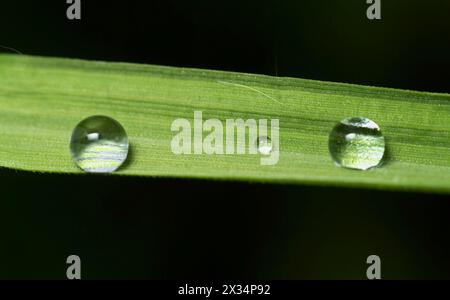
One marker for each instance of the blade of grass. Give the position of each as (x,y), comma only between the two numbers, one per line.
(42,99)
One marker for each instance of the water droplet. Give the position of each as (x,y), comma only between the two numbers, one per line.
(99,144)
(357,143)
(264,145)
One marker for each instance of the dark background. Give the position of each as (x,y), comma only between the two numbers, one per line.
(193,229)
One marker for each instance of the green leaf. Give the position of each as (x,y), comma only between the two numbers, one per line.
(42,99)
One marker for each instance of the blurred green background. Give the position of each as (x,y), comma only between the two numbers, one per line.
(191,229)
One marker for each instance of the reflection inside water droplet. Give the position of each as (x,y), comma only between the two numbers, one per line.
(356,143)
(99,144)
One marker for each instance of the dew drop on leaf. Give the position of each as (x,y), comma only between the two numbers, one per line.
(99,144)
(264,144)
(356,143)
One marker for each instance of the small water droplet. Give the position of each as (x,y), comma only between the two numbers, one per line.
(264,144)
(99,144)
(357,143)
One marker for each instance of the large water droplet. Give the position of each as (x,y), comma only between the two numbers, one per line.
(99,144)
(357,143)
(264,144)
